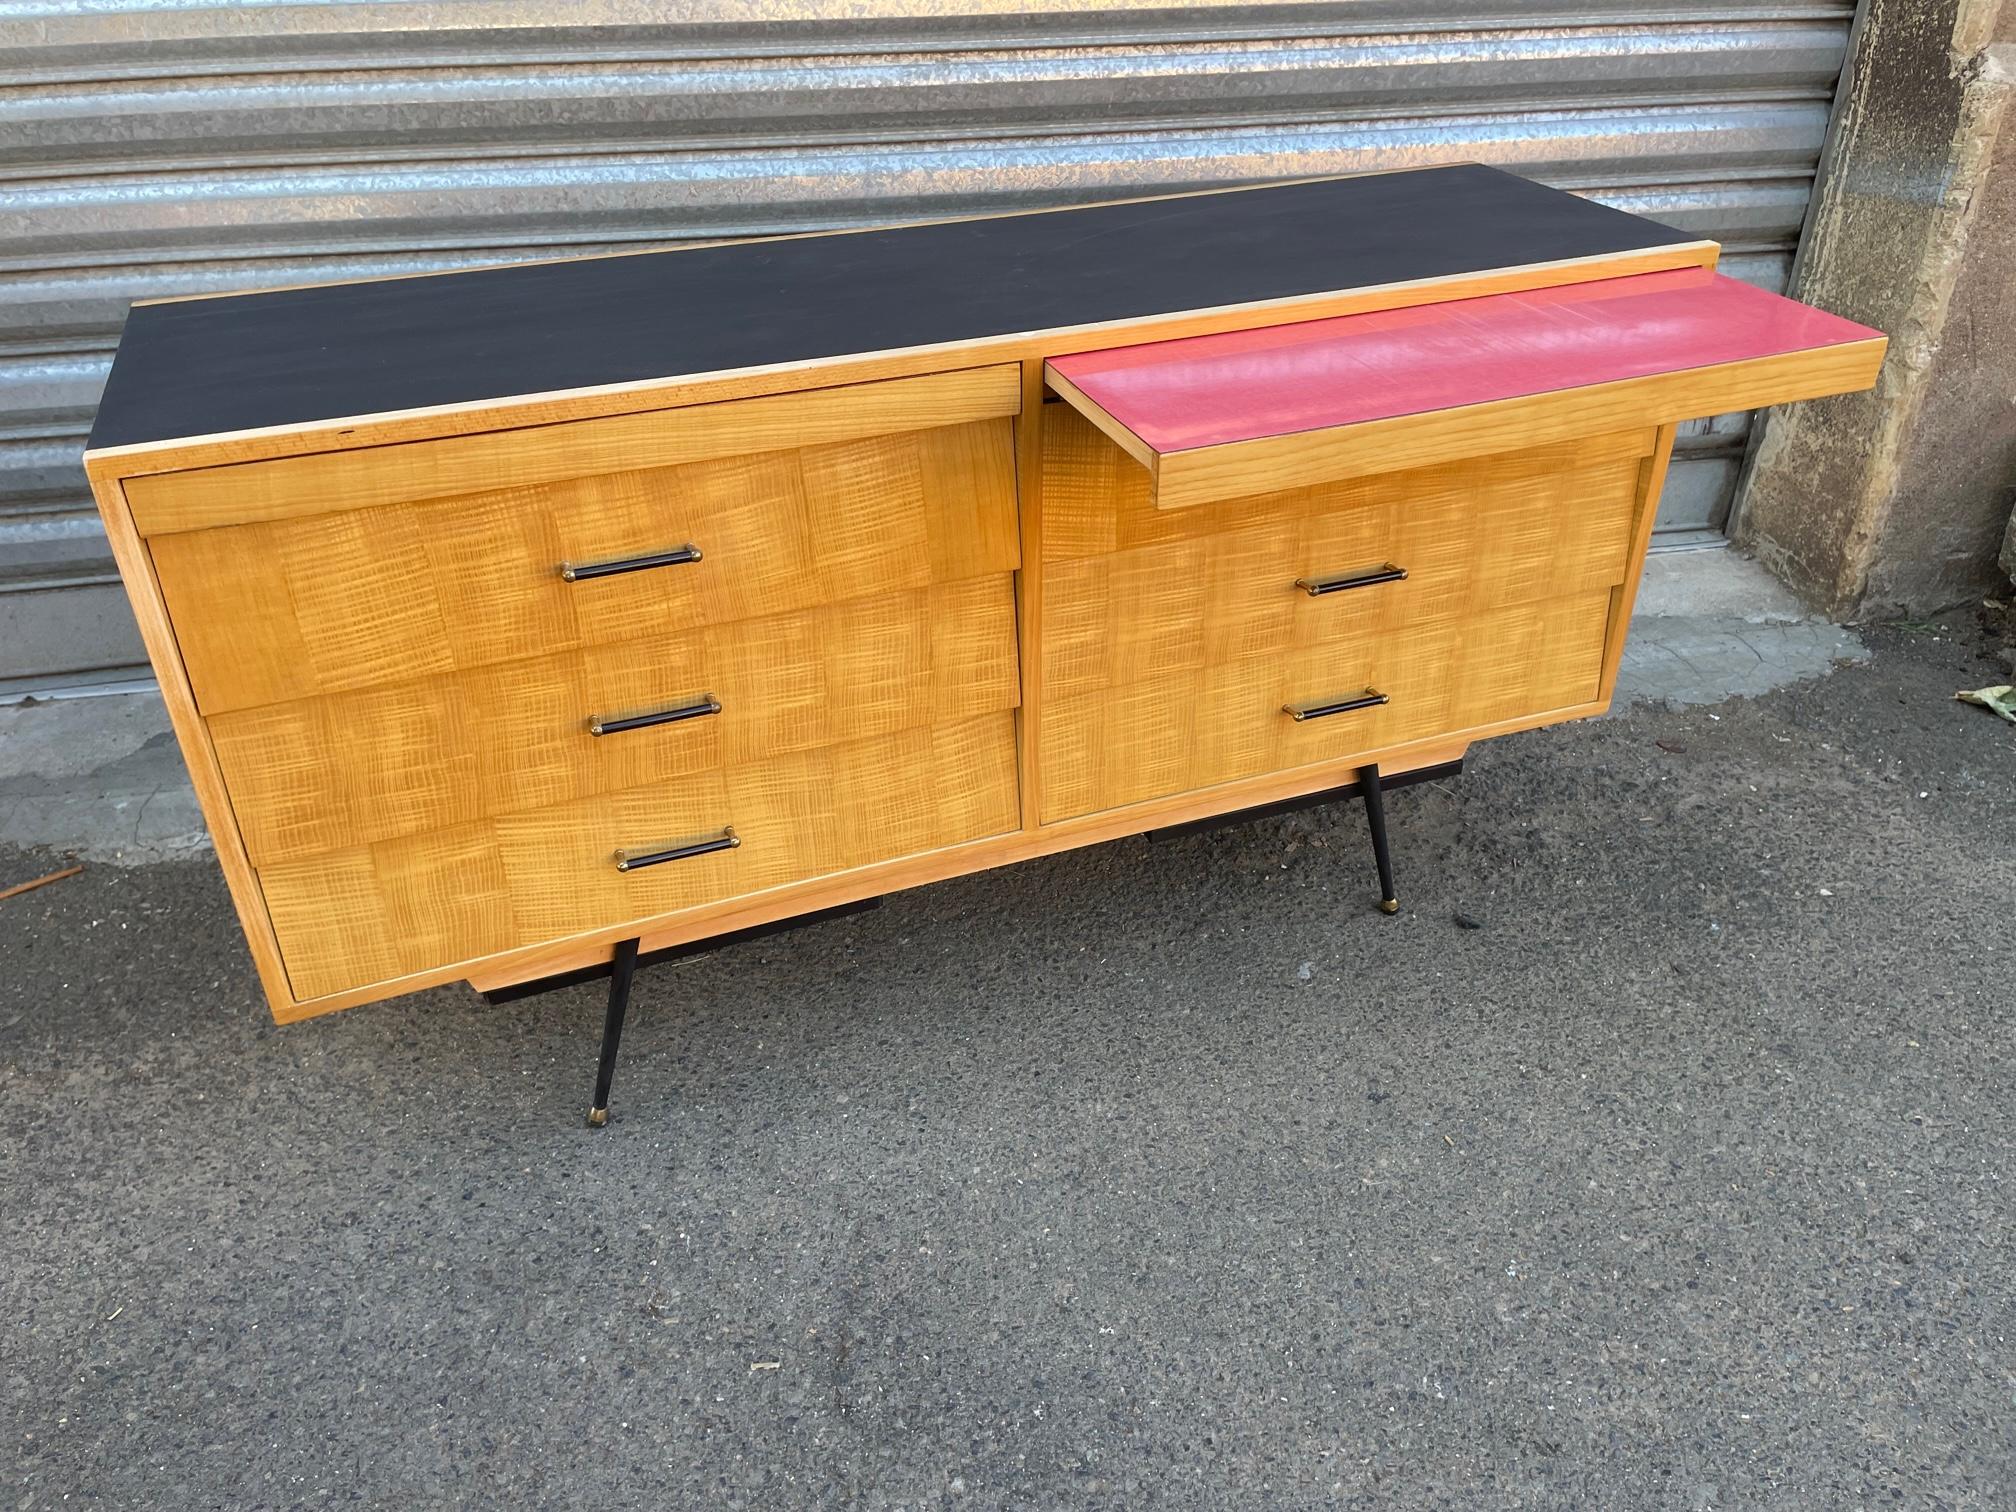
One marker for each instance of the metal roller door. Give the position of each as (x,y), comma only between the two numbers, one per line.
(152,149)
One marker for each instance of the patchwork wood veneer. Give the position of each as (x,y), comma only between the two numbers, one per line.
(518,619)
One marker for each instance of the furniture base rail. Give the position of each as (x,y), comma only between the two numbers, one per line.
(621,971)
(1370,784)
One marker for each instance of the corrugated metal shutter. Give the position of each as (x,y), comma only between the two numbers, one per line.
(149,148)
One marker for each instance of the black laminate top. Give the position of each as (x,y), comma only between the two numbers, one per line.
(297,356)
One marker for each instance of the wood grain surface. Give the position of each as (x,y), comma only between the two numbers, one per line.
(369,914)
(329,603)
(1183,729)
(319,774)
(1171,642)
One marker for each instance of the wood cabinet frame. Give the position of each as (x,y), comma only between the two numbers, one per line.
(145,487)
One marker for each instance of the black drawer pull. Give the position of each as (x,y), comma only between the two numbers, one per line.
(628,861)
(708,704)
(1298,712)
(1337,582)
(576,572)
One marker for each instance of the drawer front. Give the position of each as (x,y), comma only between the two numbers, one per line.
(1188,727)
(1461,595)
(293,608)
(1445,545)
(368,914)
(481,461)
(323,774)
(1541,500)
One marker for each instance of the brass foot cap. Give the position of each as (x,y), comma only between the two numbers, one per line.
(1389,905)
(597,1117)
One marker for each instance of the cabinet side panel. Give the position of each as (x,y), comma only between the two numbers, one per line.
(144,590)
(1651,482)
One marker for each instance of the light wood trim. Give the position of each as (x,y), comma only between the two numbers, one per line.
(983,855)
(328,483)
(1651,483)
(1269,464)
(519,411)
(1102,418)
(1029,587)
(193,735)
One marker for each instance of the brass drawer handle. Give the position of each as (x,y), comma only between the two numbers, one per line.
(708,704)
(627,861)
(576,572)
(1298,712)
(1337,582)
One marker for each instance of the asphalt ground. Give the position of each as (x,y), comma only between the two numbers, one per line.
(1160,1176)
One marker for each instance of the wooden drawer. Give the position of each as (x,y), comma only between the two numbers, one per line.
(324,774)
(1188,727)
(1097,501)
(1208,587)
(463,571)
(368,914)
(1172,640)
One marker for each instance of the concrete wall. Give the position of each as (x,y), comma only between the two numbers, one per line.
(1898,500)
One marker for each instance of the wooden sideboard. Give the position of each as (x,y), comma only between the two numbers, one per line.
(520,622)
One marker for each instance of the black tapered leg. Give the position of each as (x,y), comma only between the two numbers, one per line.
(621,969)
(1375,819)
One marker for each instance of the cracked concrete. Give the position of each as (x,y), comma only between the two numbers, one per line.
(101,778)
(1690,660)
(97,777)
(1713,625)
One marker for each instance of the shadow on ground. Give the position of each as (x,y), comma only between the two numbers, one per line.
(1146,1176)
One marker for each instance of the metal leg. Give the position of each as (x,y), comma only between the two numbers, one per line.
(1375,819)
(621,969)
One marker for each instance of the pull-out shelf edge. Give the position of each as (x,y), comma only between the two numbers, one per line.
(1250,412)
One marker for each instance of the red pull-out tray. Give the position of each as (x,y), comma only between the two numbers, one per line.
(1284,406)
